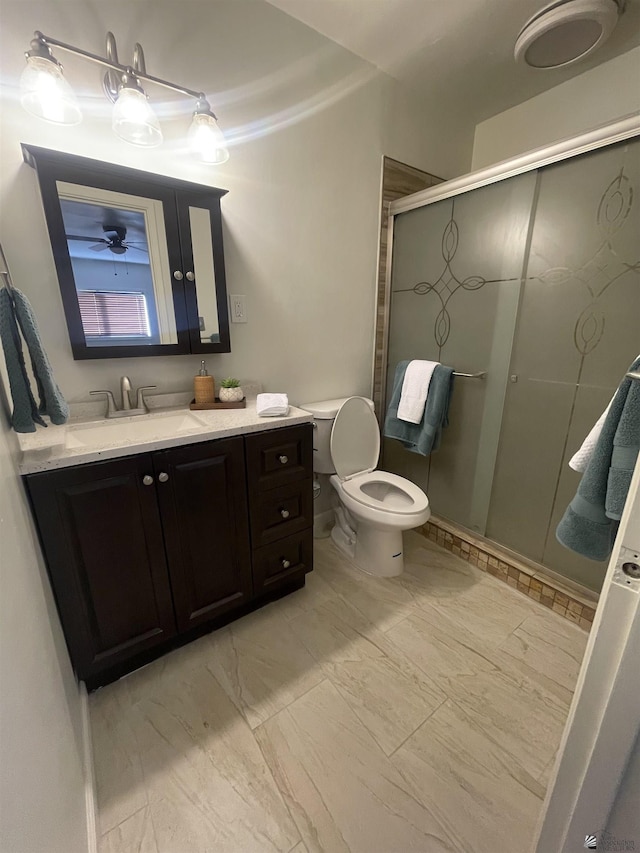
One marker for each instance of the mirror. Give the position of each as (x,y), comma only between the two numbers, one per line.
(139,258)
(118,250)
(204,270)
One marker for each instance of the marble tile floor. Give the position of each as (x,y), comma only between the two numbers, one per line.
(358,715)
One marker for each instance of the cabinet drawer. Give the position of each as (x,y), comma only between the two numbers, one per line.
(279,456)
(282,561)
(281,512)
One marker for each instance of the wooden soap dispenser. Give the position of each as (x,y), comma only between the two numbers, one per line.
(203,386)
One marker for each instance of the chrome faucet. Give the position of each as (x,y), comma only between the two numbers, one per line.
(125,388)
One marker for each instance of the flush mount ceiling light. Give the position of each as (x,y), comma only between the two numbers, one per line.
(45,93)
(566,31)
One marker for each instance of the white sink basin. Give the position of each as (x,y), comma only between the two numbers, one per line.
(131,430)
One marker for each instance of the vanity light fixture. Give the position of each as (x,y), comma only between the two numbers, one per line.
(133,118)
(46,94)
(44,91)
(205,137)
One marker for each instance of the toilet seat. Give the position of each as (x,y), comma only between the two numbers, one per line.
(385,491)
(355,439)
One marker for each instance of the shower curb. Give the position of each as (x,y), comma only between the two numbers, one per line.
(570,600)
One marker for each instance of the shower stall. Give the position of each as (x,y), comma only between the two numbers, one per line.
(528,274)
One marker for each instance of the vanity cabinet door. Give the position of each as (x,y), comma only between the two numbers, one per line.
(202,494)
(100,528)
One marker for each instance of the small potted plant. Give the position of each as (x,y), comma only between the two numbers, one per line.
(230,391)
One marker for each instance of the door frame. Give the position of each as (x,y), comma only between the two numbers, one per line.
(604,719)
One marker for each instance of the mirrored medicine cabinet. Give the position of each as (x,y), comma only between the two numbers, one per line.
(139,258)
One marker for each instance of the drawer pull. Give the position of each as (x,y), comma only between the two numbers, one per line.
(283,459)
(284,513)
(285,563)
(147,480)
(163,477)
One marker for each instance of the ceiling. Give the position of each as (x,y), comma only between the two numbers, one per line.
(453,53)
(82,219)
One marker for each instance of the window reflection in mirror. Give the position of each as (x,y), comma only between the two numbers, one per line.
(117,247)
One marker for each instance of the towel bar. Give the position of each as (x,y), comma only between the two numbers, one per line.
(479,375)
(633,374)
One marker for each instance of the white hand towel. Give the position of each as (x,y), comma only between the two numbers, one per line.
(580,458)
(415,388)
(272,405)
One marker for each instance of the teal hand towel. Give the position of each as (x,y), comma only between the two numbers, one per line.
(26,413)
(422,438)
(25,410)
(590,523)
(52,403)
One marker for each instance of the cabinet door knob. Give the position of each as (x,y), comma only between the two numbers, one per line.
(147,480)
(163,477)
(178,275)
(283,512)
(190,276)
(285,563)
(283,459)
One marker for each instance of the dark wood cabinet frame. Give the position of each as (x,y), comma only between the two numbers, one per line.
(175,196)
(137,569)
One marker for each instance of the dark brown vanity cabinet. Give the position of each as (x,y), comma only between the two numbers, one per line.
(101,532)
(279,476)
(203,505)
(146,550)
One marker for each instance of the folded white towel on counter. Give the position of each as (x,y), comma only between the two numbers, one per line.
(415,388)
(272,405)
(581,458)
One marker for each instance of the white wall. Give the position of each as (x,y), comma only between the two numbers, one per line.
(41,779)
(311,122)
(597,97)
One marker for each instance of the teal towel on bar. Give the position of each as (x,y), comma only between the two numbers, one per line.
(26,413)
(590,524)
(424,437)
(52,403)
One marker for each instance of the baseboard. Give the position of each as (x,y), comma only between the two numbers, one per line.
(568,599)
(89,773)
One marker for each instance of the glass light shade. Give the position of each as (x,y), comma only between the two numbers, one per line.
(134,120)
(206,140)
(46,94)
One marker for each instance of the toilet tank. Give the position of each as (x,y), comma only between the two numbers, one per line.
(324,412)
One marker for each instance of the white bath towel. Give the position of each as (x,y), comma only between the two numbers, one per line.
(580,458)
(415,388)
(272,405)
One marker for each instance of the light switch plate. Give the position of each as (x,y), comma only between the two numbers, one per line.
(237,308)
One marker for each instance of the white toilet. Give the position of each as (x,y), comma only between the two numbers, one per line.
(374,507)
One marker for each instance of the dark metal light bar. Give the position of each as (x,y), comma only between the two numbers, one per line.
(41,38)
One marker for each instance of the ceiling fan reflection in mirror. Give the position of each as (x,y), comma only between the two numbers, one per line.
(114,240)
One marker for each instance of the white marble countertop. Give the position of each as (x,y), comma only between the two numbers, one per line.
(61,446)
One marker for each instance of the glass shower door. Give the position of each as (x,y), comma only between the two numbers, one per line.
(457,274)
(578,330)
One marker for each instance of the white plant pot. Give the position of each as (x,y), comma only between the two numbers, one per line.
(231,395)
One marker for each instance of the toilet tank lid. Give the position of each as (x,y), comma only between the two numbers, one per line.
(327,409)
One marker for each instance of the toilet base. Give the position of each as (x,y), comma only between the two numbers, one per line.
(379,552)
(376,552)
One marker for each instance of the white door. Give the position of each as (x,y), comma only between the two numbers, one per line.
(595,792)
